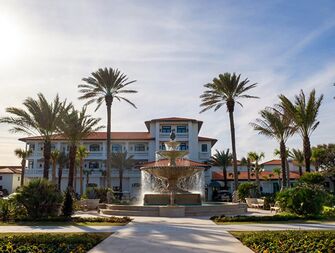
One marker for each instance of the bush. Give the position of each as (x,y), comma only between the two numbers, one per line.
(288,241)
(50,243)
(303,199)
(247,190)
(7,210)
(40,198)
(328,211)
(67,209)
(244,218)
(312,178)
(269,199)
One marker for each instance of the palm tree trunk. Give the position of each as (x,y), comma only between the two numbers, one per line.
(283,164)
(224,178)
(288,173)
(307,153)
(60,174)
(230,106)
(87,179)
(23,169)
(248,171)
(75,178)
(121,183)
(46,156)
(109,101)
(300,170)
(81,178)
(72,158)
(257,180)
(53,176)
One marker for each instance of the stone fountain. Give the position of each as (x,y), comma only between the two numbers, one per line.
(171,173)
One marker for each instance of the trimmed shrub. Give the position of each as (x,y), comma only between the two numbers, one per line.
(67,209)
(40,198)
(312,178)
(244,218)
(304,199)
(247,190)
(7,210)
(328,211)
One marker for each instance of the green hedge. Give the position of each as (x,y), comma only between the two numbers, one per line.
(288,241)
(50,243)
(112,219)
(277,217)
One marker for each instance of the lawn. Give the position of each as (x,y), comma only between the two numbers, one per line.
(288,241)
(50,242)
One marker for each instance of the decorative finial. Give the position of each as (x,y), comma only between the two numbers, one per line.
(172,135)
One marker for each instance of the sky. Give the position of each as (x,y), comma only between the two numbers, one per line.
(172,48)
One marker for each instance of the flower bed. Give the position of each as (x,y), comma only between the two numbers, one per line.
(288,241)
(50,242)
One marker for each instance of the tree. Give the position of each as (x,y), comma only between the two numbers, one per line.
(105,85)
(304,114)
(277,171)
(38,118)
(122,161)
(256,158)
(63,160)
(276,125)
(23,155)
(276,152)
(227,89)
(82,153)
(87,173)
(222,159)
(298,156)
(76,126)
(246,162)
(54,159)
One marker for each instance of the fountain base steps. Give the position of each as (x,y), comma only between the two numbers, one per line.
(229,209)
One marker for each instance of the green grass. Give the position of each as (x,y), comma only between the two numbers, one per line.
(59,223)
(50,242)
(288,241)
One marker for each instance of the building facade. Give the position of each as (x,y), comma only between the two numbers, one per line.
(10,179)
(142,145)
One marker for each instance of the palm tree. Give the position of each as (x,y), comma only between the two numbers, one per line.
(75,127)
(222,159)
(298,156)
(276,152)
(38,118)
(256,158)
(87,173)
(121,161)
(54,160)
(23,155)
(274,124)
(105,85)
(63,160)
(227,89)
(304,114)
(246,162)
(82,153)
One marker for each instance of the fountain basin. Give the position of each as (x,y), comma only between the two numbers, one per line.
(179,199)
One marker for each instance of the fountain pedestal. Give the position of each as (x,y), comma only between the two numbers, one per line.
(157,199)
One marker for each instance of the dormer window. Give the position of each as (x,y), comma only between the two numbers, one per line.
(94,147)
(182,129)
(166,129)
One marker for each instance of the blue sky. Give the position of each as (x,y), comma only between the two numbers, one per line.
(172,48)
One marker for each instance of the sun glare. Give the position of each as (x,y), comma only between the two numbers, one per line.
(10,40)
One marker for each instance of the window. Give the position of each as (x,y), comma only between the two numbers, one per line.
(1,187)
(32,147)
(0,177)
(162,146)
(53,146)
(183,146)
(181,129)
(31,164)
(140,147)
(116,148)
(204,148)
(94,147)
(93,165)
(166,129)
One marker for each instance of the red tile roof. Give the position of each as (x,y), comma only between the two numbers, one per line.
(10,169)
(179,162)
(102,136)
(273,162)
(244,175)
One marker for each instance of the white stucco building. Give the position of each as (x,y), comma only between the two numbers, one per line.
(10,178)
(142,145)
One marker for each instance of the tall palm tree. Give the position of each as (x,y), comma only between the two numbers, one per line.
(222,159)
(298,156)
(276,152)
(23,155)
(38,118)
(245,161)
(274,124)
(63,160)
(277,171)
(105,85)
(256,158)
(82,153)
(227,89)
(304,114)
(121,161)
(54,160)
(76,126)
